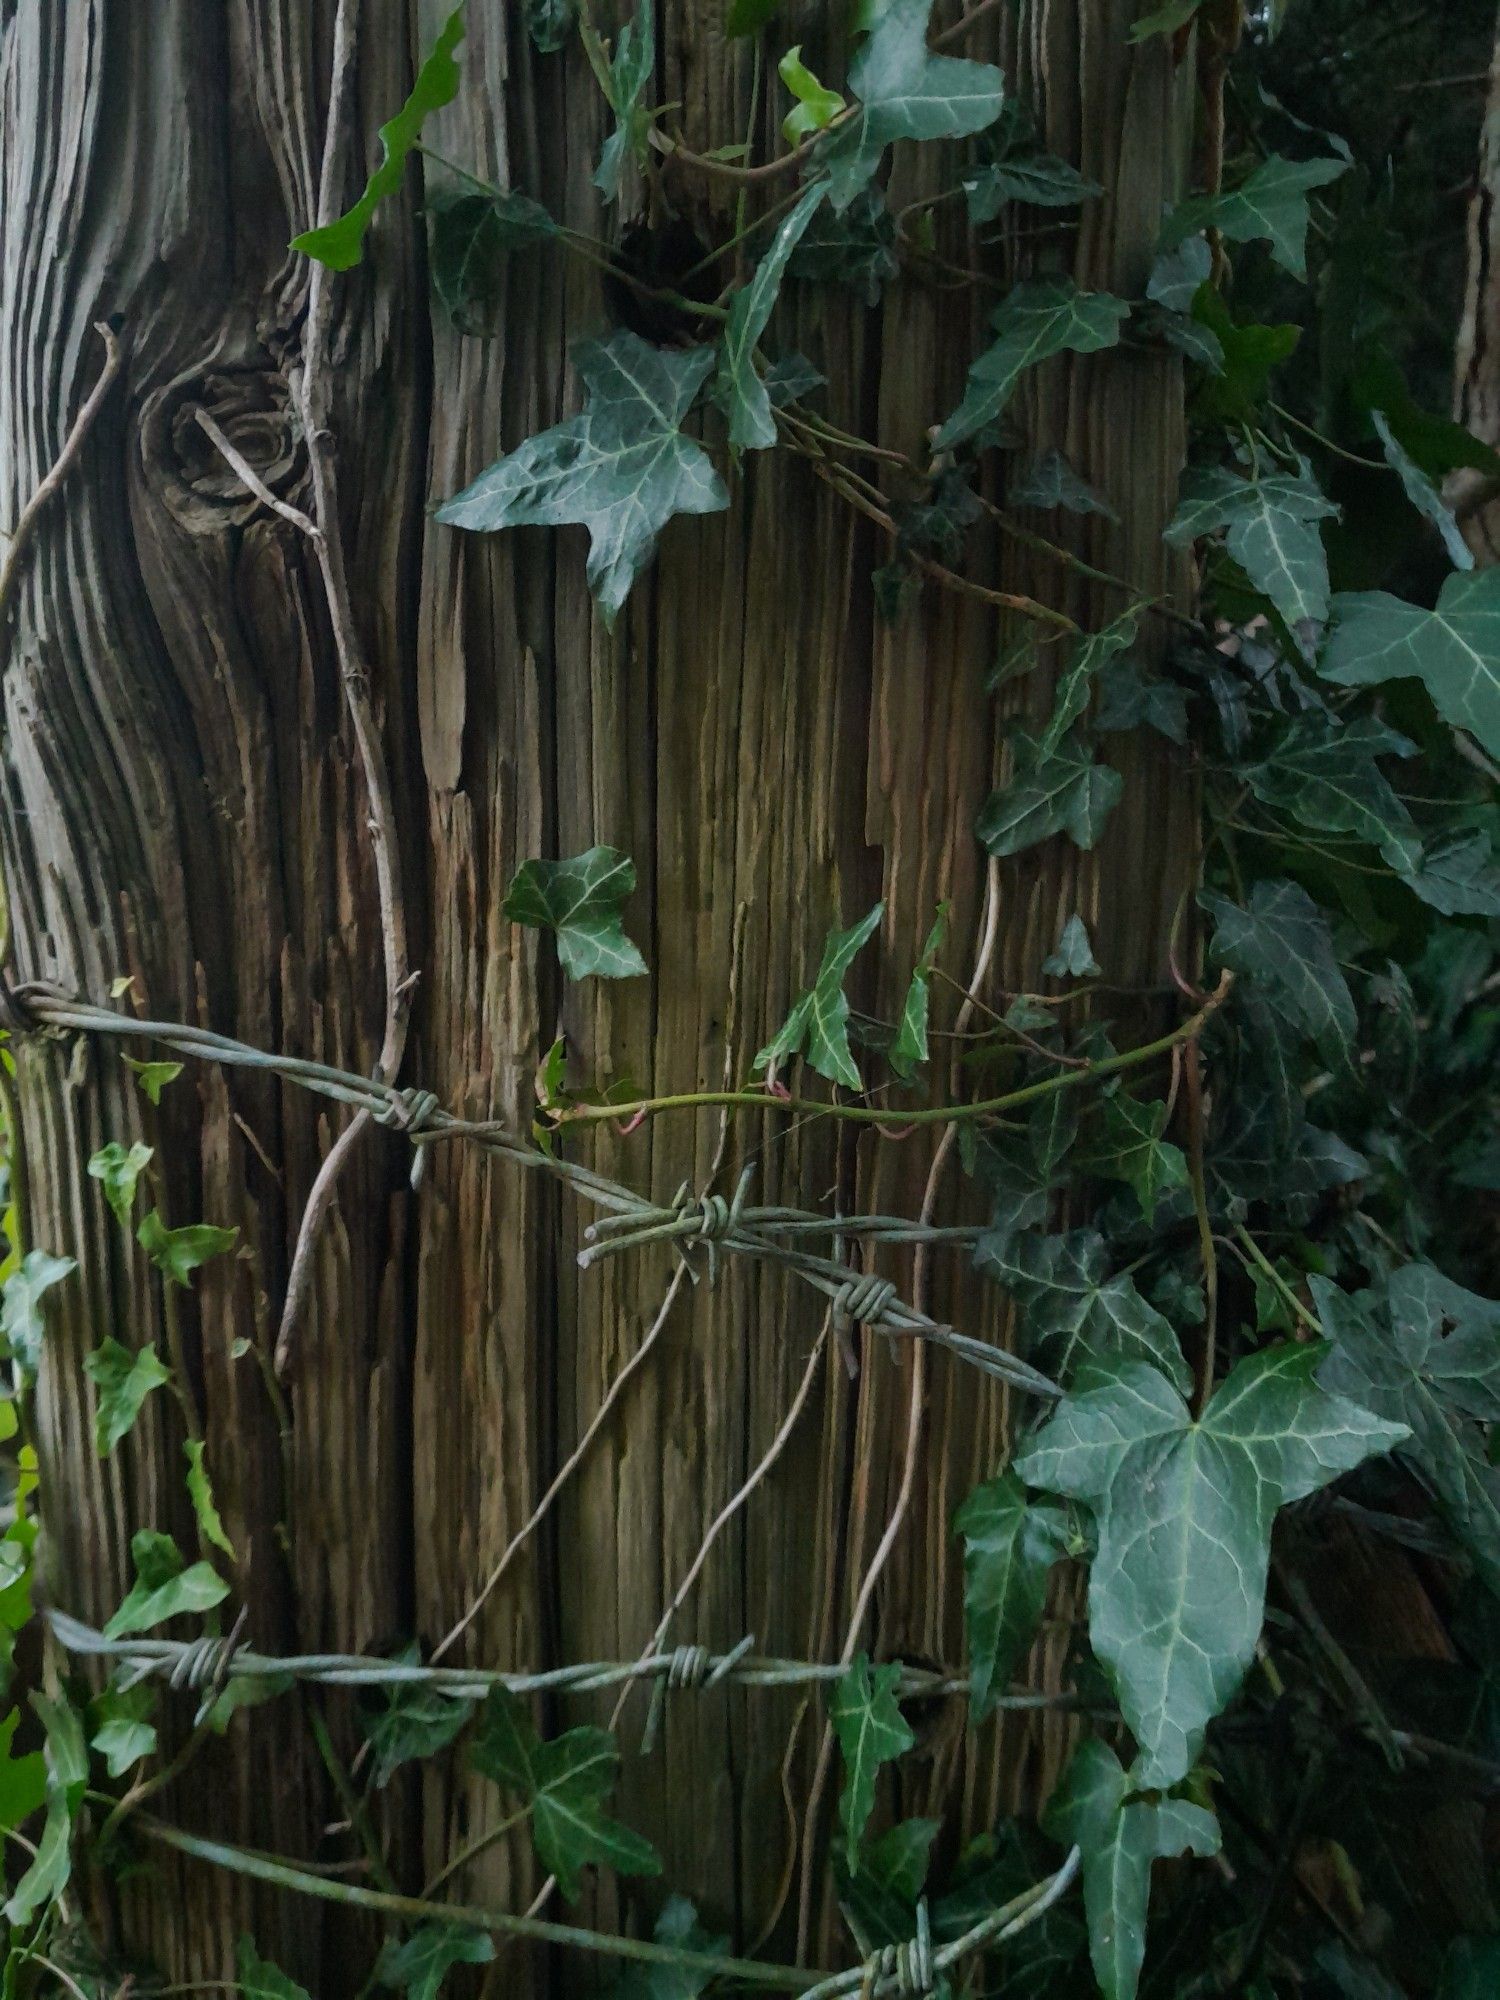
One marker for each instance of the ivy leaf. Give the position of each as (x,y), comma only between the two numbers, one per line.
(580,901)
(856,249)
(1075,682)
(123,1380)
(417,1965)
(564,1784)
(904,91)
(417,1721)
(820,1018)
(23,1780)
(119,1171)
(1119,1837)
(1422,492)
(1065,791)
(1039,179)
(1426,1354)
(21,1295)
(677,1925)
(1436,444)
(123,1731)
(471,236)
(1073,958)
(177,1253)
(748,17)
(259,1979)
(67,1768)
(816,106)
(739,390)
(1184,1513)
(1271,205)
(910,1046)
(1072,1311)
(1324,775)
(1165,20)
(550,22)
(340,244)
(1034,322)
(621,468)
(163,1588)
(1127,700)
(1458,877)
(201,1493)
(1131,1149)
(1454,650)
(1283,942)
(153,1077)
(1010,1545)
(1272,534)
(871,1731)
(1049,481)
(630,71)
(1235,390)
(880,1902)
(1178,274)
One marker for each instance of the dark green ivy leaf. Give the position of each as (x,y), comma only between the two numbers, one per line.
(1234,391)
(1422,492)
(1034,322)
(1459,877)
(1453,650)
(739,390)
(1065,791)
(550,22)
(677,1925)
(820,1019)
(418,1721)
(1270,204)
(904,91)
(1282,941)
(621,468)
(1165,20)
(201,1493)
(259,1979)
(163,1588)
(1130,1148)
(871,1731)
(1272,533)
(417,1965)
(564,1785)
(1178,274)
(748,17)
(856,249)
(1039,179)
(631,69)
(1010,1545)
(579,900)
(122,1381)
(1184,1513)
(1324,775)
(471,237)
(1049,481)
(1071,1311)
(1119,1837)
(340,244)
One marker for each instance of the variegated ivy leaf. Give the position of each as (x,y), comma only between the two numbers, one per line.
(21,1296)
(1033,323)
(819,1022)
(1454,650)
(563,1785)
(1064,791)
(1119,1836)
(164,1588)
(417,1965)
(1072,1311)
(1422,492)
(903,91)
(1281,940)
(119,1171)
(1324,775)
(871,1731)
(1039,179)
(1010,1545)
(122,1381)
(1272,524)
(622,467)
(1183,1511)
(418,1720)
(910,1046)
(340,244)
(1073,959)
(1271,204)
(631,69)
(739,390)
(579,901)
(1129,1147)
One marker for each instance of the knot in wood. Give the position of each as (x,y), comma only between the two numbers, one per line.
(252,408)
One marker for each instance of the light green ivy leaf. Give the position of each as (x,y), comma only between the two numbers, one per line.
(739,390)
(1453,650)
(816,106)
(1119,1836)
(819,1021)
(177,1253)
(163,1588)
(1184,1513)
(1033,323)
(201,1493)
(1010,1545)
(1271,204)
(153,1077)
(259,1979)
(340,244)
(564,1785)
(871,1731)
(1073,959)
(904,91)
(122,1381)
(123,1732)
(23,1780)
(417,1965)
(580,901)
(631,69)
(21,1296)
(119,1171)
(622,467)
(910,1046)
